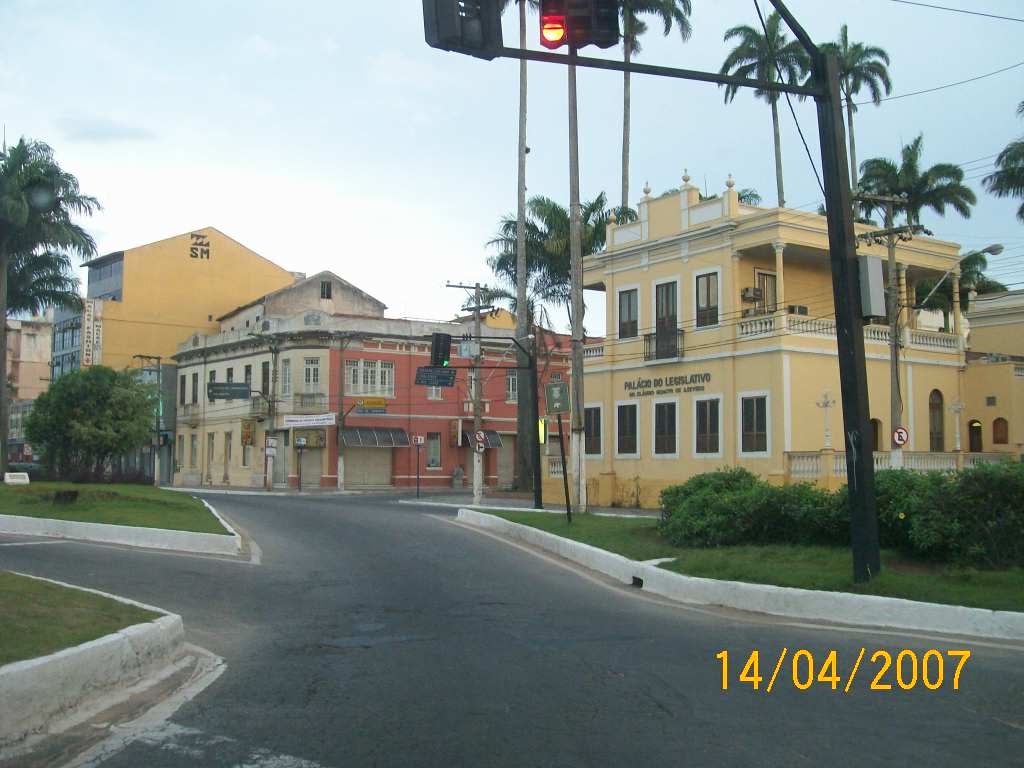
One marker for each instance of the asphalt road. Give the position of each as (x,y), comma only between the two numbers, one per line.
(382,634)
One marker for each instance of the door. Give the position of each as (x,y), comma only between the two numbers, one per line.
(666,320)
(312,467)
(507,462)
(974,437)
(768,283)
(367,467)
(210,443)
(280,471)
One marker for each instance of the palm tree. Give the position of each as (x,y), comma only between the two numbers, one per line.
(670,12)
(36,281)
(1008,180)
(860,66)
(37,202)
(972,279)
(935,188)
(760,56)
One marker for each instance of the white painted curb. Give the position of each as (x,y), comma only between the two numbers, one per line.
(37,692)
(129,535)
(809,604)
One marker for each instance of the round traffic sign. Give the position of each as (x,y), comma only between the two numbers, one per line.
(479,448)
(480,437)
(900,436)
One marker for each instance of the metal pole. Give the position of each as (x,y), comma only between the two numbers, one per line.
(576,287)
(478,458)
(159,407)
(417,470)
(523,452)
(849,322)
(565,472)
(538,491)
(895,402)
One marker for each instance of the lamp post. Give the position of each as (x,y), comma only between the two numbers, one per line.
(825,403)
(995,249)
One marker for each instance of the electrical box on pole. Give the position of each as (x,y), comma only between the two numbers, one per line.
(578,23)
(463,26)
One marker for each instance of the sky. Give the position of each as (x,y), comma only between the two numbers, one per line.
(328,135)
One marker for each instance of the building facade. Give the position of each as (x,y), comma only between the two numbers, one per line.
(334,401)
(720,350)
(28,372)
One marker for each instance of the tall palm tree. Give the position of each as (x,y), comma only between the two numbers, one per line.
(669,12)
(761,56)
(860,66)
(972,278)
(936,187)
(38,200)
(1008,180)
(37,281)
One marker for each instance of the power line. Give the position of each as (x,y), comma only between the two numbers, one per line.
(958,10)
(943,87)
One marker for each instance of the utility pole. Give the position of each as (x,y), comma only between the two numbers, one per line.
(474,374)
(889,237)
(342,413)
(274,345)
(524,456)
(576,288)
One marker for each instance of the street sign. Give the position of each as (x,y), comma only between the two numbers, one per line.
(469,349)
(556,394)
(227,390)
(314,420)
(372,405)
(271,442)
(900,436)
(480,448)
(435,376)
(300,442)
(418,440)
(480,436)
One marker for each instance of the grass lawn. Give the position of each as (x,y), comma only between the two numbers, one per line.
(827,568)
(138,505)
(39,617)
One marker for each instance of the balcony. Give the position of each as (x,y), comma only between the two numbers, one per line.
(309,402)
(593,351)
(190,413)
(259,409)
(663,345)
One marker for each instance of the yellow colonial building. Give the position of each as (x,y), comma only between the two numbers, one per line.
(720,350)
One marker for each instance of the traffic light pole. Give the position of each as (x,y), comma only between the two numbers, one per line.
(579,494)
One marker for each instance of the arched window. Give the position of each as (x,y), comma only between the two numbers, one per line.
(936,422)
(876,434)
(974,436)
(1000,432)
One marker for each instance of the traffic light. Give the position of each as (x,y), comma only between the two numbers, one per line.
(577,23)
(464,26)
(441,350)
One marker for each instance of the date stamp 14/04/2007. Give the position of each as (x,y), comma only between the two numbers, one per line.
(904,671)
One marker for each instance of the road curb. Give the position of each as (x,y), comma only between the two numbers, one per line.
(484,507)
(834,607)
(128,535)
(38,692)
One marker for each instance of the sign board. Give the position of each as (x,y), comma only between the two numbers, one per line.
(479,448)
(479,436)
(469,349)
(227,390)
(418,440)
(300,442)
(311,438)
(900,436)
(88,320)
(434,376)
(313,420)
(16,478)
(556,394)
(248,432)
(372,405)
(271,452)
(271,442)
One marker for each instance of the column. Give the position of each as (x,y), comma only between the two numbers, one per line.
(957,320)
(780,290)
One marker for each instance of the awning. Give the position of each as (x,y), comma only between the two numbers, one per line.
(491,438)
(374,437)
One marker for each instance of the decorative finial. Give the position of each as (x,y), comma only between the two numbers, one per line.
(647,189)
(730,182)
(686,176)
(612,218)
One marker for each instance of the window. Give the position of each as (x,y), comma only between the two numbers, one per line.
(556,376)
(990,401)
(265,378)
(352,377)
(181,389)
(248,375)
(628,303)
(325,289)
(286,377)
(311,373)
(592,431)
(434,393)
(707,299)
(179,455)
(511,386)
(387,377)
(370,377)
(227,450)
(195,388)
(768,283)
(707,427)
(246,455)
(1000,432)
(230,376)
(664,428)
(936,422)
(626,430)
(754,424)
(433,450)
(665,313)
(193,449)
(213,379)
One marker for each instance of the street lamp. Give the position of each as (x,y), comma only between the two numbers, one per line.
(995,249)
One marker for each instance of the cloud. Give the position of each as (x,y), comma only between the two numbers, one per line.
(102,130)
(259,46)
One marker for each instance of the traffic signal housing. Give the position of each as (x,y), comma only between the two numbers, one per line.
(441,350)
(578,23)
(464,26)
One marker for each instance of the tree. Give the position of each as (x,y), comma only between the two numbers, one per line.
(38,200)
(1008,180)
(760,56)
(935,188)
(860,66)
(36,281)
(669,12)
(972,278)
(90,416)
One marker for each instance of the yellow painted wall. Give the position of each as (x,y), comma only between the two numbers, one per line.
(168,295)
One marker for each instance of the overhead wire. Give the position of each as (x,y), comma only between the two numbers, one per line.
(957,10)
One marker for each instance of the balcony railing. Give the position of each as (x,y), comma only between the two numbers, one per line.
(309,402)
(663,345)
(190,413)
(258,408)
(593,351)
(829,467)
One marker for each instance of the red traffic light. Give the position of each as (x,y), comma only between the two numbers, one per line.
(552,30)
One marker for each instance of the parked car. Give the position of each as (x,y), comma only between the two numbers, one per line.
(35,471)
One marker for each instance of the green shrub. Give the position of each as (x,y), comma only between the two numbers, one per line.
(987,503)
(711,509)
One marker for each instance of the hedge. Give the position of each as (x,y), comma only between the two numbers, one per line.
(973,517)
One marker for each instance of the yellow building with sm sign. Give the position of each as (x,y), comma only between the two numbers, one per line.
(720,350)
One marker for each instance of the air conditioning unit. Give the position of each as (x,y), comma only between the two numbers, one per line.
(752,294)
(797,309)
